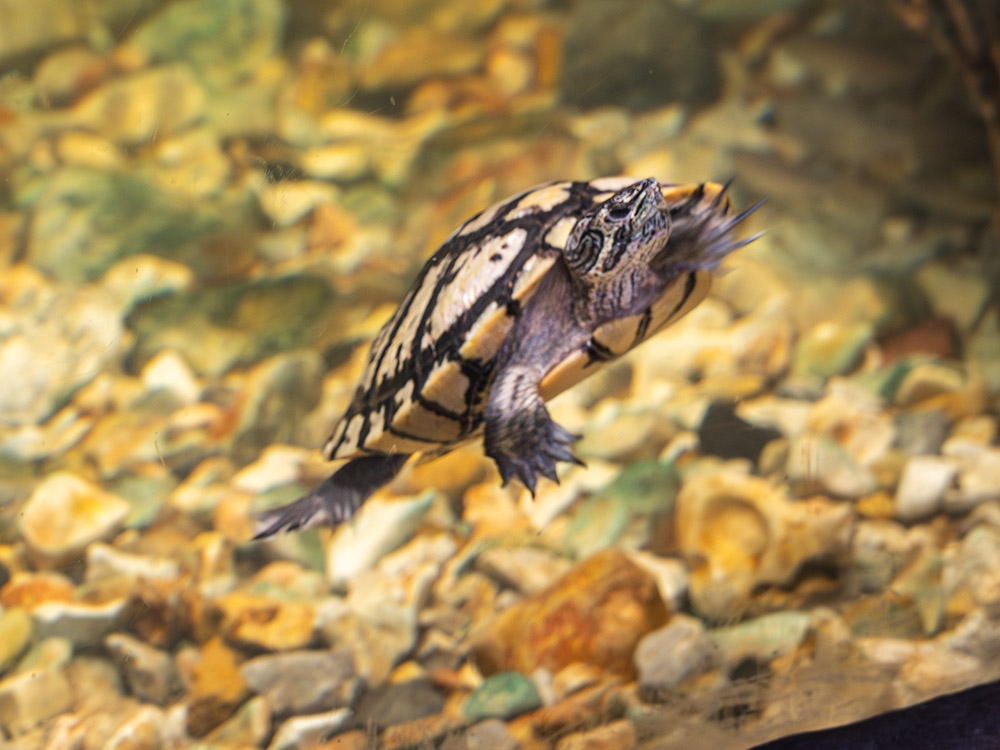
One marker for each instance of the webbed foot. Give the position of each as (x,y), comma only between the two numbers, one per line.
(335,500)
(527,443)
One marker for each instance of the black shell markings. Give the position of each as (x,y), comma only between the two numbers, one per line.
(431,366)
(443,336)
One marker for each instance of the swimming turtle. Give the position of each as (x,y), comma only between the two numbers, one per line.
(522,301)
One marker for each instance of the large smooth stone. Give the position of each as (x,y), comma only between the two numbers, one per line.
(595,614)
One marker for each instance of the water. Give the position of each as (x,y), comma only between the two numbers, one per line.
(790,511)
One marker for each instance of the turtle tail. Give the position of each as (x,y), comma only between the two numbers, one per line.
(334,500)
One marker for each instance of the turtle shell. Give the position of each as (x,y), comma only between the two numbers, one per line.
(430,367)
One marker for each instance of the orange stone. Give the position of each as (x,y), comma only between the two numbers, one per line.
(594,614)
(352,739)
(265,622)
(217,687)
(28,590)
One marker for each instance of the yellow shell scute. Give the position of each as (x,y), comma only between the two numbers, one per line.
(487,334)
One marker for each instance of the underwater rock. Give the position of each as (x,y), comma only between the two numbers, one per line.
(932,670)
(32,697)
(762,638)
(672,576)
(399,702)
(250,725)
(28,589)
(878,548)
(935,384)
(276,395)
(47,653)
(380,622)
(976,634)
(666,657)
(338,162)
(152,103)
(380,526)
(86,221)
(16,630)
(955,293)
(429,729)
(42,25)
(142,729)
(741,10)
(571,679)
(971,434)
(203,488)
(788,416)
(303,732)
(502,696)
(618,430)
(149,672)
(453,472)
(37,442)
(527,570)
(167,371)
(211,328)
(618,735)
(972,572)
(489,734)
(215,686)
(978,478)
(604,43)
(856,420)
(739,533)
(920,432)
(286,202)
(352,739)
(266,622)
(66,513)
(190,165)
(594,614)
(830,349)
(66,73)
(105,561)
(576,710)
(626,512)
(303,682)
(922,487)
(919,580)
(936,338)
(820,464)
(418,53)
(276,467)
(86,150)
(82,623)
(221,38)
(141,277)
(82,327)
(723,433)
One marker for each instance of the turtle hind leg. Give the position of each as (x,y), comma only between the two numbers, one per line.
(336,499)
(520,436)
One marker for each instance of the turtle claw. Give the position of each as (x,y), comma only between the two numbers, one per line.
(531,449)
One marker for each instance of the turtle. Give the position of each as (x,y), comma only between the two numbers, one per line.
(523,300)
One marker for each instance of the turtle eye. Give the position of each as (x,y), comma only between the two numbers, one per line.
(587,250)
(619,211)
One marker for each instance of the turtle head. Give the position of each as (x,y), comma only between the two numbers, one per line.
(628,229)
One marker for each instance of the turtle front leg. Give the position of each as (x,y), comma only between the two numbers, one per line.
(520,436)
